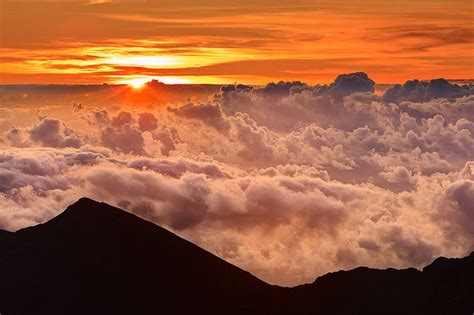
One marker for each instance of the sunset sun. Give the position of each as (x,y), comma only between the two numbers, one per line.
(136,83)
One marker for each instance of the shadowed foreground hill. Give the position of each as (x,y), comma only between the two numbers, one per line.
(97,259)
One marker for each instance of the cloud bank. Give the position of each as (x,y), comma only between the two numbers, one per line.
(288,181)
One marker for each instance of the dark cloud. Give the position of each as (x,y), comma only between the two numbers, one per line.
(77,106)
(126,139)
(210,114)
(346,84)
(147,122)
(100,116)
(168,137)
(280,89)
(54,133)
(421,91)
(459,206)
(123,118)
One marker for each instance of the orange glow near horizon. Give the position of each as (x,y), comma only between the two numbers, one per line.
(137,83)
(255,42)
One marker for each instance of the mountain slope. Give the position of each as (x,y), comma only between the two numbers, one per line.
(4,235)
(97,259)
(440,289)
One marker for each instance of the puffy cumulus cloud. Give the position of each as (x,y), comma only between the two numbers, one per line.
(122,119)
(288,181)
(288,105)
(99,116)
(129,132)
(399,175)
(168,138)
(16,138)
(347,84)
(124,138)
(147,122)
(210,114)
(419,91)
(347,103)
(54,133)
(126,132)
(280,89)
(255,140)
(279,111)
(457,206)
(450,109)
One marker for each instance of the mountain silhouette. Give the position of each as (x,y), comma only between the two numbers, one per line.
(97,259)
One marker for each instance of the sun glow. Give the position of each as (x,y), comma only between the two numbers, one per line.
(137,83)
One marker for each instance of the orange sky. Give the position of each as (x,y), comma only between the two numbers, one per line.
(190,41)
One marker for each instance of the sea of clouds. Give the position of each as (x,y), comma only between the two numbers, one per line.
(287,181)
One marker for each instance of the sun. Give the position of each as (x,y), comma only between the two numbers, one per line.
(137,83)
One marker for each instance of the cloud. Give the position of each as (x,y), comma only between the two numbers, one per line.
(147,122)
(125,138)
(458,205)
(122,119)
(399,175)
(77,106)
(54,133)
(288,181)
(15,137)
(280,89)
(420,91)
(288,105)
(210,114)
(346,84)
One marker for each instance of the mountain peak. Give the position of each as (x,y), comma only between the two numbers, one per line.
(84,204)
(115,262)
(444,263)
(91,210)
(93,218)
(85,201)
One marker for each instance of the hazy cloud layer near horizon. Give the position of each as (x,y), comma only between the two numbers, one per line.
(288,181)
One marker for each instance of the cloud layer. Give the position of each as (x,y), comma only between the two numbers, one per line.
(288,180)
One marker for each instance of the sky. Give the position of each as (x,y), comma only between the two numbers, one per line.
(253,42)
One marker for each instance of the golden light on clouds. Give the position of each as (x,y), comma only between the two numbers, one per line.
(253,42)
(145,61)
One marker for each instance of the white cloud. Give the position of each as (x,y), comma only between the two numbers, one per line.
(288,181)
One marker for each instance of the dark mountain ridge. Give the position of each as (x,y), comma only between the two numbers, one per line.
(97,259)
